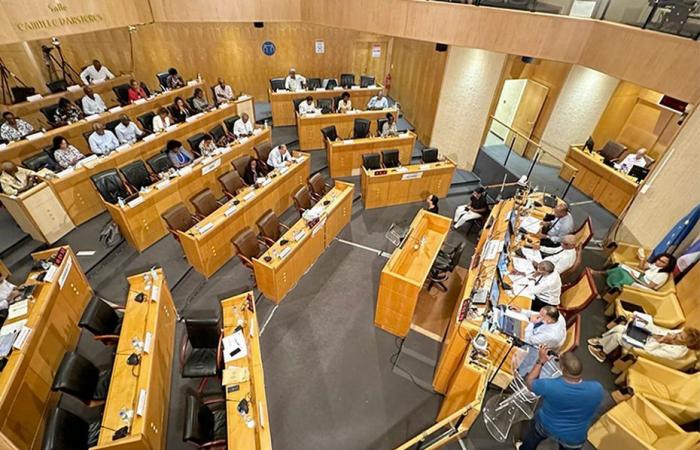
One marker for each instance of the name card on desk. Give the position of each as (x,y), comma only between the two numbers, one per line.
(412,176)
(249,196)
(89,162)
(338,88)
(372,86)
(212,166)
(348,141)
(172,127)
(122,147)
(355,87)
(135,202)
(281,90)
(92,117)
(185,170)
(204,228)
(229,212)
(147,342)
(35,136)
(320,89)
(65,172)
(149,137)
(285,252)
(257,132)
(21,338)
(34,98)
(140,101)
(115,109)
(243,97)
(299,236)
(163,184)
(3,146)
(243,140)
(73,88)
(424,166)
(192,83)
(141,407)
(283,170)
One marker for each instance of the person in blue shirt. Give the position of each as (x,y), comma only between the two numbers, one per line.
(568,404)
(178,155)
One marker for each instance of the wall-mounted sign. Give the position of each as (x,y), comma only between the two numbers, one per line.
(320,46)
(269,48)
(376,51)
(57,7)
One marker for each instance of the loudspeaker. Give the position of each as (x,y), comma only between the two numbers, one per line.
(527,59)
(440,47)
(259,24)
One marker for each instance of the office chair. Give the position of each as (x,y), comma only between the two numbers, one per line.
(203,339)
(325,105)
(442,267)
(110,186)
(146,120)
(330,133)
(217,133)
(296,102)
(229,122)
(612,150)
(429,155)
(57,86)
(103,320)
(112,125)
(366,81)
(49,112)
(80,378)
(336,101)
(205,422)
(390,158)
(41,161)
(67,431)
(313,83)
(194,142)
(248,246)
(190,102)
(576,296)
(270,227)
(204,203)
(20,93)
(371,161)
(360,129)
(302,199)
(136,175)
(240,164)
(232,183)
(159,163)
(318,186)
(277,83)
(162,79)
(178,218)
(86,136)
(347,80)
(380,125)
(330,83)
(122,93)
(263,150)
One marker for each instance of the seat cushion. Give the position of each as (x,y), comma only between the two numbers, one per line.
(628,419)
(646,385)
(102,387)
(201,362)
(220,424)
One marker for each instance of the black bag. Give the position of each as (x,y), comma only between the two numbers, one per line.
(110,235)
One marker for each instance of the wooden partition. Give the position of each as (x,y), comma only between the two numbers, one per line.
(309,126)
(345,156)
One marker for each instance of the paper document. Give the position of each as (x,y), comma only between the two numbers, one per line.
(516,315)
(234,375)
(635,273)
(523,265)
(531,254)
(235,346)
(18,309)
(530,224)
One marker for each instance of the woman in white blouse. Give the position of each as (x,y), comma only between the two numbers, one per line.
(648,275)
(161,121)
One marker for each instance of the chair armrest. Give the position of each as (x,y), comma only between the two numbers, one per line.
(183,349)
(284,226)
(220,350)
(657,371)
(213,444)
(107,338)
(246,260)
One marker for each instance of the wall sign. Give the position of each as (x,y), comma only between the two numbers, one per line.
(376,51)
(269,48)
(320,46)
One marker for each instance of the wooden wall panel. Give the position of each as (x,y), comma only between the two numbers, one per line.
(226,10)
(416,77)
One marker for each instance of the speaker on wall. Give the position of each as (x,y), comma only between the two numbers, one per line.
(527,59)
(440,47)
(258,24)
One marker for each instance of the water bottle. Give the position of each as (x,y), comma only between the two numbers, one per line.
(199,77)
(120,201)
(265,124)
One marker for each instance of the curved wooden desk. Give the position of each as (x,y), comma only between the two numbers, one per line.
(309,126)
(345,156)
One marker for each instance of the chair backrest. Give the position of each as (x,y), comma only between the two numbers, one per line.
(573,335)
(190,102)
(246,243)
(360,129)
(269,225)
(40,161)
(584,233)
(231,182)
(331,83)
(65,431)
(456,256)
(136,174)
(159,163)
(112,125)
(199,421)
(366,81)
(313,83)
(277,83)
(330,133)
(99,318)
(178,218)
(205,202)
(380,125)
(612,150)
(371,161)
(49,112)
(217,132)
(57,86)
(575,297)
(302,198)
(390,158)
(76,376)
(565,275)
(317,184)
(240,164)
(203,333)
(347,79)
(146,120)
(325,104)
(229,122)
(297,102)
(86,136)
(122,93)
(162,79)
(429,155)
(110,185)
(336,100)
(195,140)
(263,150)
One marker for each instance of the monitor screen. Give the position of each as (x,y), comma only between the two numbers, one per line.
(495,292)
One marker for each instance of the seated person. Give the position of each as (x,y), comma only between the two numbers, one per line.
(15,180)
(65,154)
(200,101)
(561,224)
(95,72)
(208,147)
(162,120)
(181,110)
(378,101)
(174,80)
(545,285)
(389,127)
(178,155)
(344,104)
(66,113)
(223,91)
(279,157)
(127,131)
(8,293)
(102,141)
(477,207)
(308,106)
(136,91)
(294,82)
(546,327)
(654,273)
(253,171)
(563,257)
(634,159)
(663,343)
(243,127)
(92,103)
(431,204)
(14,128)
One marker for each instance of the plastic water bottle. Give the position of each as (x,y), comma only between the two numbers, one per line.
(265,124)
(120,201)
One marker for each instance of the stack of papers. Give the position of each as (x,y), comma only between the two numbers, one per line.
(523,265)
(532,255)
(18,309)
(530,224)
(235,346)
(234,375)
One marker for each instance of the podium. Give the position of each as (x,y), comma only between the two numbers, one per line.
(39,213)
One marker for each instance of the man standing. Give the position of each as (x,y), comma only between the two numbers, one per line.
(92,103)
(102,141)
(95,73)
(567,404)
(243,127)
(223,91)
(279,157)
(557,227)
(294,82)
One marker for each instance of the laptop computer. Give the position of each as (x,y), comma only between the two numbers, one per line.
(639,172)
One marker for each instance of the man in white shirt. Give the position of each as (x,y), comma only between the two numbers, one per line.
(243,126)
(8,292)
(102,141)
(127,131)
(279,157)
(546,327)
(561,225)
(92,103)
(378,101)
(308,106)
(634,159)
(95,73)
(222,91)
(294,82)
(563,257)
(545,285)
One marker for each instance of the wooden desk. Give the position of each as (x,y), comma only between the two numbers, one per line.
(406,184)
(609,187)
(26,399)
(76,190)
(240,437)
(309,126)
(279,275)
(405,273)
(282,102)
(207,252)
(345,157)
(17,151)
(39,213)
(140,221)
(144,389)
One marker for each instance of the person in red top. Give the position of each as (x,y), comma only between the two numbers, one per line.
(136,92)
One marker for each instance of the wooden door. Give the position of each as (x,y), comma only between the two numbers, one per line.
(527,114)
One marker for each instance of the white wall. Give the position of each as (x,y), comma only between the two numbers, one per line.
(468,87)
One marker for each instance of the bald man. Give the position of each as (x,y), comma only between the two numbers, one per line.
(563,257)
(243,127)
(294,82)
(102,141)
(634,159)
(15,180)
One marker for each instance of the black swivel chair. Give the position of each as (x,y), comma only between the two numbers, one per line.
(331,83)
(347,80)
(366,81)
(103,320)
(326,105)
(202,360)
(429,155)
(41,161)
(360,129)
(217,133)
(159,163)
(136,174)
(110,186)
(49,112)
(229,122)
(297,102)
(330,133)
(194,142)
(146,120)
(442,267)
(276,83)
(371,161)
(112,125)
(67,431)
(80,378)
(162,79)
(390,158)
(122,93)
(380,125)
(205,421)
(190,102)
(57,86)
(313,83)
